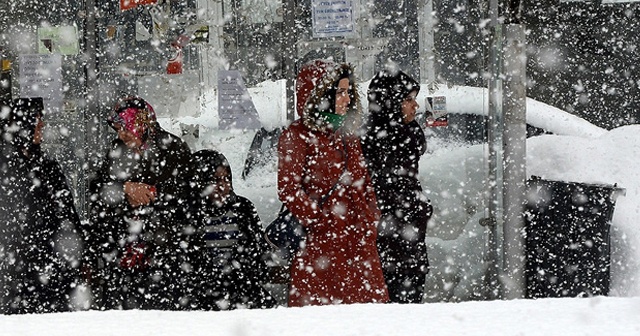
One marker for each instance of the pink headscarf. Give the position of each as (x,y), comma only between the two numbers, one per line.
(136,116)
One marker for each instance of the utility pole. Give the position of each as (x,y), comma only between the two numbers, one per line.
(507,152)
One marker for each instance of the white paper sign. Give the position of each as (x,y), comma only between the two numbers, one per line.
(41,76)
(235,107)
(332,18)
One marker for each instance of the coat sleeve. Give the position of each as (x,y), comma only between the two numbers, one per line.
(107,191)
(62,196)
(68,237)
(378,152)
(255,249)
(177,164)
(291,161)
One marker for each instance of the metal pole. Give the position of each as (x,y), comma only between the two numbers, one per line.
(514,160)
(494,139)
(493,221)
(94,130)
(427,42)
(289,43)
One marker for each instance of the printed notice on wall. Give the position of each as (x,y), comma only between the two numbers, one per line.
(332,18)
(41,76)
(58,40)
(436,111)
(235,107)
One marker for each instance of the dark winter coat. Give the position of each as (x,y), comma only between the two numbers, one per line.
(40,249)
(231,253)
(339,262)
(393,150)
(231,263)
(160,228)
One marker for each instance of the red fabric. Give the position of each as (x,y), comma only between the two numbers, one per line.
(174,66)
(129,4)
(340,262)
(307,79)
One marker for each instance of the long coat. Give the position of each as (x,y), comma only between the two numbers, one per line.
(339,262)
(39,242)
(393,150)
(161,226)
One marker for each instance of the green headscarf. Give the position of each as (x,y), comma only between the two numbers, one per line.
(333,119)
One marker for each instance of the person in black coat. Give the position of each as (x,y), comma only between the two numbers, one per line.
(392,145)
(232,260)
(138,230)
(40,249)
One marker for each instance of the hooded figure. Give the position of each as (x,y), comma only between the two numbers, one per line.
(392,145)
(231,258)
(40,250)
(138,234)
(323,181)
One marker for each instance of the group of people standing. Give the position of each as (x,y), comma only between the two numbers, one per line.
(355,189)
(167,231)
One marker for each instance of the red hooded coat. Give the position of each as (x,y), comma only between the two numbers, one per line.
(340,262)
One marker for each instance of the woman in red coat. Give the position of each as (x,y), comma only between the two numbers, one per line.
(323,181)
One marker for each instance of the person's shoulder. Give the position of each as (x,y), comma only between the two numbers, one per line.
(243,202)
(170,140)
(297,126)
(51,163)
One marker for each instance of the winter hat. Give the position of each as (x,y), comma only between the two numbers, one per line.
(206,162)
(386,92)
(136,115)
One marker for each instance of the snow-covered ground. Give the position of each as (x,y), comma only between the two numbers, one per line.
(454,178)
(549,317)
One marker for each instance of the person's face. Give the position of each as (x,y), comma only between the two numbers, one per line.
(409,107)
(129,139)
(342,97)
(221,186)
(38,134)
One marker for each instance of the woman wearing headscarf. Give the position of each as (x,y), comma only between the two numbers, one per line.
(323,181)
(40,250)
(232,259)
(393,145)
(139,236)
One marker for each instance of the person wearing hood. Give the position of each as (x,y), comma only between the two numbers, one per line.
(393,145)
(40,249)
(138,229)
(323,181)
(232,259)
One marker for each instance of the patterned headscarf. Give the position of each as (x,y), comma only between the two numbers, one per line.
(136,115)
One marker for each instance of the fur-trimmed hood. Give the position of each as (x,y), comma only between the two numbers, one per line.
(315,90)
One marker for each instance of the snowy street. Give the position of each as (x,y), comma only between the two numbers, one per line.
(549,317)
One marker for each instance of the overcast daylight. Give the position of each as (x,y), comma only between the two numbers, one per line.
(319,167)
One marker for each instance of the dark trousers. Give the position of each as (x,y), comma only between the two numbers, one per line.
(405,288)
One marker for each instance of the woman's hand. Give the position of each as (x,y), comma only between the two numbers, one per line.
(139,193)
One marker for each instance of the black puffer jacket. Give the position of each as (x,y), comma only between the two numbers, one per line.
(393,150)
